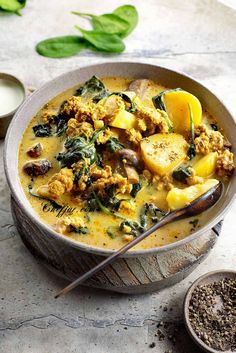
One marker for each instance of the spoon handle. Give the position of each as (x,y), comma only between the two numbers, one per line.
(166,219)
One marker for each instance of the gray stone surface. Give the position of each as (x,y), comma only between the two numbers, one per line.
(197,37)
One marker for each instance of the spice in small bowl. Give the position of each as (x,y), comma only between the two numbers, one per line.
(210,311)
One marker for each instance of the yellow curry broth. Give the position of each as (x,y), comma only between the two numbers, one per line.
(97,222)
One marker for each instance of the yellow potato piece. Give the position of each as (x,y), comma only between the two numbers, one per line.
(163,152)
(177,107)
(123,120)
(205,166)
(178,198)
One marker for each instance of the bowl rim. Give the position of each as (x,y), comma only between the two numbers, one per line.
(187,299)
(31,213)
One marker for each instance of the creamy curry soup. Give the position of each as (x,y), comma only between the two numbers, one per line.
(104,161)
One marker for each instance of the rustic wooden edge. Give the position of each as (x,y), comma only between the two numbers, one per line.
(134,275)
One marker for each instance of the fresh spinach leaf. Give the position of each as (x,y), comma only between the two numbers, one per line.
(93,88)
(99,161)
(79,230)
(103,41)
(82,171)
(100,206)
(55,127)
(109,23)
(113,145)
(181,174)
(108,29)
(12,5)
(136,228)
(192,149)
(110,200)
(129,14)
(77,148)
(61,47)
(135,189)
(42,130)
(92,204)
(61,124)
(150,211)
(107,205)
(112,232)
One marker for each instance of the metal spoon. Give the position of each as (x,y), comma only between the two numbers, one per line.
(201,204)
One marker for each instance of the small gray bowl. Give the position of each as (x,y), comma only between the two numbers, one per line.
(5,119)
(209,277)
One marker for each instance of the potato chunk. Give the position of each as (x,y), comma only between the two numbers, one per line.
(206,166)
(112,109)
(123,120)
(163,152)
(177,107)
(178,198)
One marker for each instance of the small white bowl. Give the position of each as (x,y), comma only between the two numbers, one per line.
(5,119)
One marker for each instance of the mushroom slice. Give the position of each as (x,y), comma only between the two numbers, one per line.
(132,174)
(140,87)
(35,151)
(130,157)
(37,168)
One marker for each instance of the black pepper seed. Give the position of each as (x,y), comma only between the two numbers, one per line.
(152,345)
(212,314)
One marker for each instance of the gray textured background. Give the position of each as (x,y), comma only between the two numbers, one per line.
(197,37)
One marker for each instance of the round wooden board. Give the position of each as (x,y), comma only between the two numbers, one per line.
(131,275)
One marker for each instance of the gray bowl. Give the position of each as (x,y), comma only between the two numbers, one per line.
(49,237)
(208,278)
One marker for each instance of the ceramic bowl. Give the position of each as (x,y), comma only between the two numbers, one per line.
(208,278)
(5,119)
(145,273)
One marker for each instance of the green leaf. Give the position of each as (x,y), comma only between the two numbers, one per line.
(129,14)
(12,5)
(77,148)
(61,47)
(152,213)
(181,174)
(93,88)
(192,149)
(135,189)
(112,232)
(42,130)
(113,145)
(79,230)
(103,41)
(136,228)
(109,23)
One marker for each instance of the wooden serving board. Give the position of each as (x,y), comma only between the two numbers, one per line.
(132,275)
